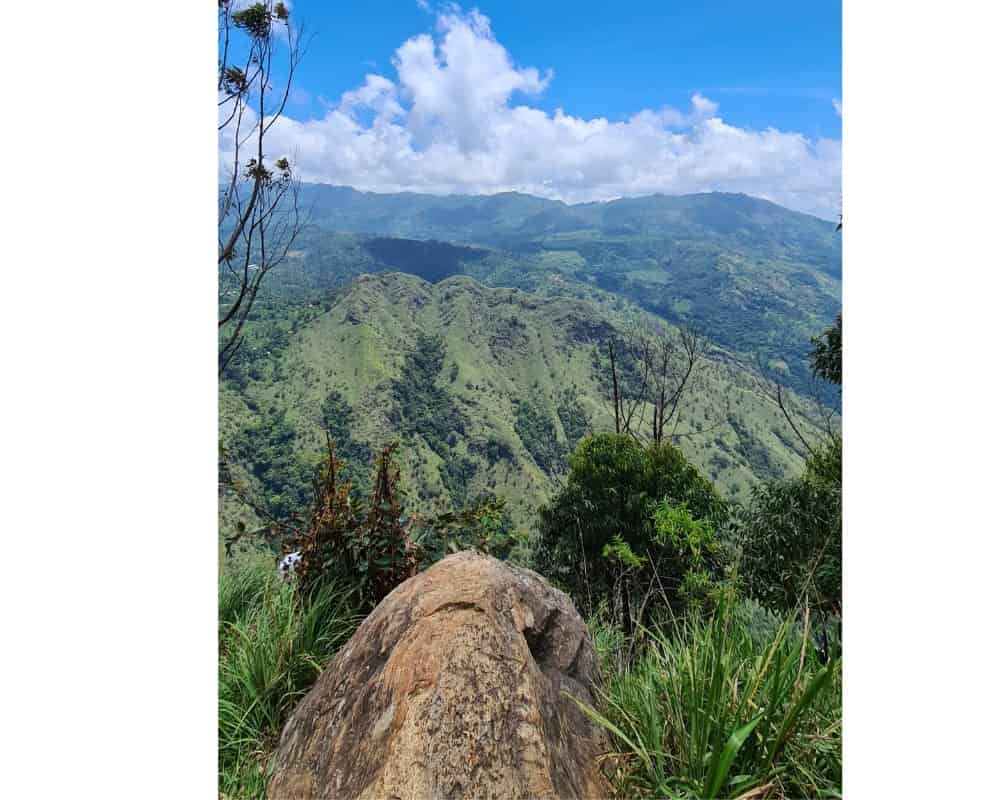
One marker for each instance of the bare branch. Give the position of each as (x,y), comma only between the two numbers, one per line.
(257,227)
(773,390)
(650,371)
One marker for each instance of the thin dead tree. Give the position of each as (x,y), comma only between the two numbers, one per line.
(651,369)
(676,362)
(259,219)
(621,396)
(629,372)
(615,392)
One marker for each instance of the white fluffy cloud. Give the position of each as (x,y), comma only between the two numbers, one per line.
(457,118)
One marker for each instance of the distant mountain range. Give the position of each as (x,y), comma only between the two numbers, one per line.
(508,297)
(756,278)
(511,219)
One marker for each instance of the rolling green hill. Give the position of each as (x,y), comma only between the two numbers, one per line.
(756,278)
(488,389)
(467,328)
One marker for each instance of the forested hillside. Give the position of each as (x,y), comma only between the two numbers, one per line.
(489,390)
(755,278)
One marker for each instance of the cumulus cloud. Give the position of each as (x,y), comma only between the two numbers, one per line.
(457,117)
(838,107)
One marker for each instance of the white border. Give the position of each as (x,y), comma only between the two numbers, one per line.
(109,412)
(109,419)
(920,398)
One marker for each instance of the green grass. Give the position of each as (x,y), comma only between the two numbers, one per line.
(714,711)
(272,647)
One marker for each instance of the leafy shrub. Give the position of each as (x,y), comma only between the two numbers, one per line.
(688,548)
(826,355)
(826,464)
(485,525)
(790,534)
(614,489)
(371,552)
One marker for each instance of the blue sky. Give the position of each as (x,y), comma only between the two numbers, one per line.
(572,100)
(768,63)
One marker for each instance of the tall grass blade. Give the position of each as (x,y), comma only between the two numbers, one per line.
(725,762)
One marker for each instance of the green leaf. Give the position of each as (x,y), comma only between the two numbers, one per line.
(729,753)
(818,682)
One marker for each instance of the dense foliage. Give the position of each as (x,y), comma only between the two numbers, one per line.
(573,418)
(284,473)
(337,419)
(791,537)
(538,432)
(423,407)
(637,500)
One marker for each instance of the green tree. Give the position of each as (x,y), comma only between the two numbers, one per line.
(790,533)
(825,356)
(611,497)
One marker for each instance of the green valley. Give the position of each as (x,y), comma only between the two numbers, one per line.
(755,278)
(488,389)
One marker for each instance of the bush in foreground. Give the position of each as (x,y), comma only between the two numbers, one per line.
(272,647)
(713,711)
(606,517)
(790,534)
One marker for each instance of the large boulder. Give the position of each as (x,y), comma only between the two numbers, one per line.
(458,685)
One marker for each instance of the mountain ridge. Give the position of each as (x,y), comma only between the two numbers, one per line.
(515,386)
(351,190)
(752,276)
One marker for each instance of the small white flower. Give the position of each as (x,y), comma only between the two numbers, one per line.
(286,567)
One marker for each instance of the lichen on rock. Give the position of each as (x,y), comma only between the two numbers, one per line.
(460,684)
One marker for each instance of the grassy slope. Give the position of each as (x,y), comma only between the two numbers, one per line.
(508,345)
(756,277)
